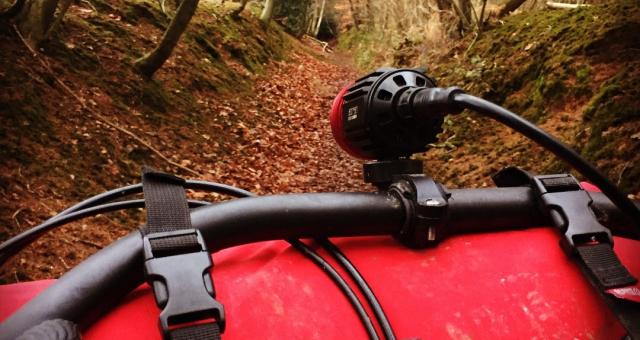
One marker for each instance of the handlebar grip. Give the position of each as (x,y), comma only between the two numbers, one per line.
(491,209)
(494,209)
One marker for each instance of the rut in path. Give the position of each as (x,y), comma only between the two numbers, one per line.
(274,139)
(286,141)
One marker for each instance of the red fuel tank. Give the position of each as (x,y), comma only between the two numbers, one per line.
(515,284)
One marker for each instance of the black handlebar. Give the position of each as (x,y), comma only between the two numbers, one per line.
(91,288)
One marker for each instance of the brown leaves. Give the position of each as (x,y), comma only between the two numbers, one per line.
(280,139)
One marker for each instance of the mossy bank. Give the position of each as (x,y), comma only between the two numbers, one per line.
(574,72)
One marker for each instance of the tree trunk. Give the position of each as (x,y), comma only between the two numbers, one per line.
(236,13)
(481,20)
(36,19)
(465,12)
(509,7)
(354,15)
(267,12)
(10,9)
(443,5)
(317,30)
(312,16)
(312,21)
(368,12)
(64,7)
(151,62)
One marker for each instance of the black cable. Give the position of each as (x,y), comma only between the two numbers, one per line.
(18,242)
(362,285)
(562,151)
(92,206)
(137,188)
(340,282)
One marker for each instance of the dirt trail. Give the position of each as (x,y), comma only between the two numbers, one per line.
(280,141)
(295,151)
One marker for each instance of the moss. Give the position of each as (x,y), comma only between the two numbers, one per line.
(612,115)
(143,11)
(207,46)
(583,74)
(107,28)
(154,96)
(246,41)
(105,6)
(362,45)
(79,59)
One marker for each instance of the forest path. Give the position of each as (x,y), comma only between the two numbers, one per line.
(275,138)
(286,143)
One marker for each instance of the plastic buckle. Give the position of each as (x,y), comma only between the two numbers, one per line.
(569,207)
(182,284)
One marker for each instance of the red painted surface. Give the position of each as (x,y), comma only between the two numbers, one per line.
(506,285)
(515,284)
(337,126)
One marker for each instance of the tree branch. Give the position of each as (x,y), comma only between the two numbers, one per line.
(559,5)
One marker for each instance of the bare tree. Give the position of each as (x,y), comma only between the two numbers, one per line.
(465,11)
(354,15)
(267,12)
(311,20)
(151,62)
(237,11)
(317,29)
(509,7)
(481,20)
(64,7)
(36,19)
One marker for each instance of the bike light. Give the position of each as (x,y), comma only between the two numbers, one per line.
(374,118)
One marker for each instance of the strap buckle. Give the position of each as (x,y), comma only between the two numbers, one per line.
(182,283)
(569,207)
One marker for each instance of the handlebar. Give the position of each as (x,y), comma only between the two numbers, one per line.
(91,288)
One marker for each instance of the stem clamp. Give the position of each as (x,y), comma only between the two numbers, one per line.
(425,203)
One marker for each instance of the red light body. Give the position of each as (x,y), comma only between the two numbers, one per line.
(337,125)
(367,125)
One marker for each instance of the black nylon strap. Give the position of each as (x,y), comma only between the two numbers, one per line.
(604,265)
(202,331)
(167,210)
(569,208)
(627,312)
